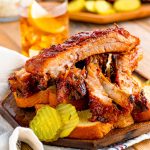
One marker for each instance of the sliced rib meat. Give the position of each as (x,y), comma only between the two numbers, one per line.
(125,65)
(119,96)
(100,104)
(26,84)
(58,58)
(23,83)
(76,78)
(71,89)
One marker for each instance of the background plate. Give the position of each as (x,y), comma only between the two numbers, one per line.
(143,11)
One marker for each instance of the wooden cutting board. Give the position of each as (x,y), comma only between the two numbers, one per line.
(143,11)
(17,116)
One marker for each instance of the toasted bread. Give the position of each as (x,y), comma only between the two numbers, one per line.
(38,98)
(47,96)
(89,130)
(124,120)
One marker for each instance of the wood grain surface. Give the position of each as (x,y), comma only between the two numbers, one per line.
(144,11)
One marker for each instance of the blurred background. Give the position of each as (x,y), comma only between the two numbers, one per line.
(28,26)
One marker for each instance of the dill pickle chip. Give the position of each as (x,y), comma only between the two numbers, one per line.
(69,118)
(90,6)
(126,5)
(76,5)
(46,124)
(103,7)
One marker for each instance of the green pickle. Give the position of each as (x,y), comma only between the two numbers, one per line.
(84,115)
(76,5)
(103,7)
(127,5)
(46,124)
(90,6)
(69,118)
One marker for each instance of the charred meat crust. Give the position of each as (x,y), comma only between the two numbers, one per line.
(140,105)
(26,84)
(58,58)
(74,81)
(101,111)
(71,89)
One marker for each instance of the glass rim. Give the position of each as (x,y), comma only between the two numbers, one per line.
(57,9)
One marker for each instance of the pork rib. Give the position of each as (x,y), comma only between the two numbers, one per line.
(119,96)
(71,89)
(125,65)
(100,104)
(58,58)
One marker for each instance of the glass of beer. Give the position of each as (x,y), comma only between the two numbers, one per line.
(43,23)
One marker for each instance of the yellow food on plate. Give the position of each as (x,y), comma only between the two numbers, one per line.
(76,5)
(90,6)
(126,5)
(104,7)
(89,130)
(41,19)
(42,97)
(46,124)
(69,118)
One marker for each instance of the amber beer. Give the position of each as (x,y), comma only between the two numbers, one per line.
(43,26)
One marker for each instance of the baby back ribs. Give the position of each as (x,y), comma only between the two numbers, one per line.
(58,58)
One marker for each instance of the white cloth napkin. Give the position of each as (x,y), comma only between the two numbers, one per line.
(9,61)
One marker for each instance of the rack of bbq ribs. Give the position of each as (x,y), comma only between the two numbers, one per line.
(84,87)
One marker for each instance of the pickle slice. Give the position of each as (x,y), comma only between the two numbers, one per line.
(84,115)
(69,118)
(46,124)
(90,6)
(104,7)
(127,5)
(76,5)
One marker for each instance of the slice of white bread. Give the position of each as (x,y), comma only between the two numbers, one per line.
(38,98)
(47,96)
(89,130)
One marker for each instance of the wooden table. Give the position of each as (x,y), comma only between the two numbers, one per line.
(10,38)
